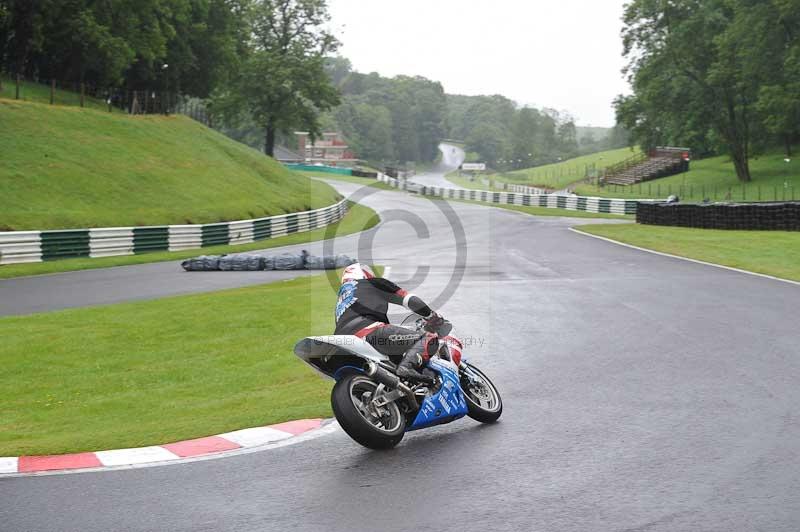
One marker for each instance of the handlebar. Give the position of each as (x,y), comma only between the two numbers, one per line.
(418,323)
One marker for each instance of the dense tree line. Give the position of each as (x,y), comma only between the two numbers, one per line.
(403,119)
(258,59)
(507,136)
(388,120)
(189,46)
(718,76)
(265,68)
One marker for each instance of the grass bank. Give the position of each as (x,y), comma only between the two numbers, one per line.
(774,253)
(559,175)
(40,93)
(358,218)
(464,182)
(67,167)
(774,179)
(153,372)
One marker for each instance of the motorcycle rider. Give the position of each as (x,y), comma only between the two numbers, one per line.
(361,311)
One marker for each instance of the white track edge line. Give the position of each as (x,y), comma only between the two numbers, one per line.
(696,261)
(325,429)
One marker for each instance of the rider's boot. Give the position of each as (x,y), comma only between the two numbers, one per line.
(409,368)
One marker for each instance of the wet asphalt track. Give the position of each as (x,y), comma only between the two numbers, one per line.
(641,393)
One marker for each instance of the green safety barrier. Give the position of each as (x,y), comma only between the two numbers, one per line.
(323,169)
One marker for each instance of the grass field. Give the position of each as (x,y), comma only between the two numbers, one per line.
(773,180)
(464,182)
(67,167)
(358,218)
(153,372)
(37,92)
(559,175)
(774,253)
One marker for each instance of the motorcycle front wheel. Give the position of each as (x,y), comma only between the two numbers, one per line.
(370,425)
(483,399)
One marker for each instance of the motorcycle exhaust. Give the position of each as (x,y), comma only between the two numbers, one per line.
(391,380)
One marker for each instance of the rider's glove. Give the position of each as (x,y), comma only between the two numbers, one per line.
(433,322)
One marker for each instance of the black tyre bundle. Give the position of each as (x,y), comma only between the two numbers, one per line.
(248,262)
(363,173)
(783,216)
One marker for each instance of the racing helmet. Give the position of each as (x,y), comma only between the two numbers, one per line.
(357,271)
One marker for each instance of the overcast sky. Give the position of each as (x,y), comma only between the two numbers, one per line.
(563,54)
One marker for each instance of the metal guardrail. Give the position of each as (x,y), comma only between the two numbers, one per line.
(524,189)
(551,201)
(18,247)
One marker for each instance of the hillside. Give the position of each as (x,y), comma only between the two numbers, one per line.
(773,179)
(561,174)
(67,167)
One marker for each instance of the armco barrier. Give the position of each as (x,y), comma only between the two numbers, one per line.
(35,246)
(524,189)
(552,201)
(783,216)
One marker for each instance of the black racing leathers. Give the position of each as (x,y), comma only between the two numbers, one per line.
(361,310)
(366,301)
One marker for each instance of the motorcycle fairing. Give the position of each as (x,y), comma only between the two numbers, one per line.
(329,353)
(447,404)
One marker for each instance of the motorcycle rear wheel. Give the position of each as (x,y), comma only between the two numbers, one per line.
(375,429)
(483,400)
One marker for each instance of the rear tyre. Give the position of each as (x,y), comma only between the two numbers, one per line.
(373,427)
(483,400)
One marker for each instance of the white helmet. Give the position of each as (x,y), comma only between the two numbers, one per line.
(357,271)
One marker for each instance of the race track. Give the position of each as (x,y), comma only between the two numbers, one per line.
(641,393)
(452,157)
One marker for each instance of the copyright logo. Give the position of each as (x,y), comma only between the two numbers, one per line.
(420,243)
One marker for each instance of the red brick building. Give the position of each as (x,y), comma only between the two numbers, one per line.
(331,149)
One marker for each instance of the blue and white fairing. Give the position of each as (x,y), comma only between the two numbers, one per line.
(445,405)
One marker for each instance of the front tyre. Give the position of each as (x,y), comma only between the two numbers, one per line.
(483,399)
(376,427)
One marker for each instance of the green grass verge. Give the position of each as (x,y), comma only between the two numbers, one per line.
(153,372)
(559,175)
(67,167)
(539,211)
(358,218)
(773,180)
(39,93)
(464,182)
(775,253)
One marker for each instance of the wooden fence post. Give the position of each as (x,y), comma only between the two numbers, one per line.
(83,92)
(52,91)
(17,94)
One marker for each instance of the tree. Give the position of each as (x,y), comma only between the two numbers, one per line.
(772,31)
(525,130)
(282,82)
(669,79)
(568,138)
(710,73)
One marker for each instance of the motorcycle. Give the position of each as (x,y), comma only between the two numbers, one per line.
(376,408)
